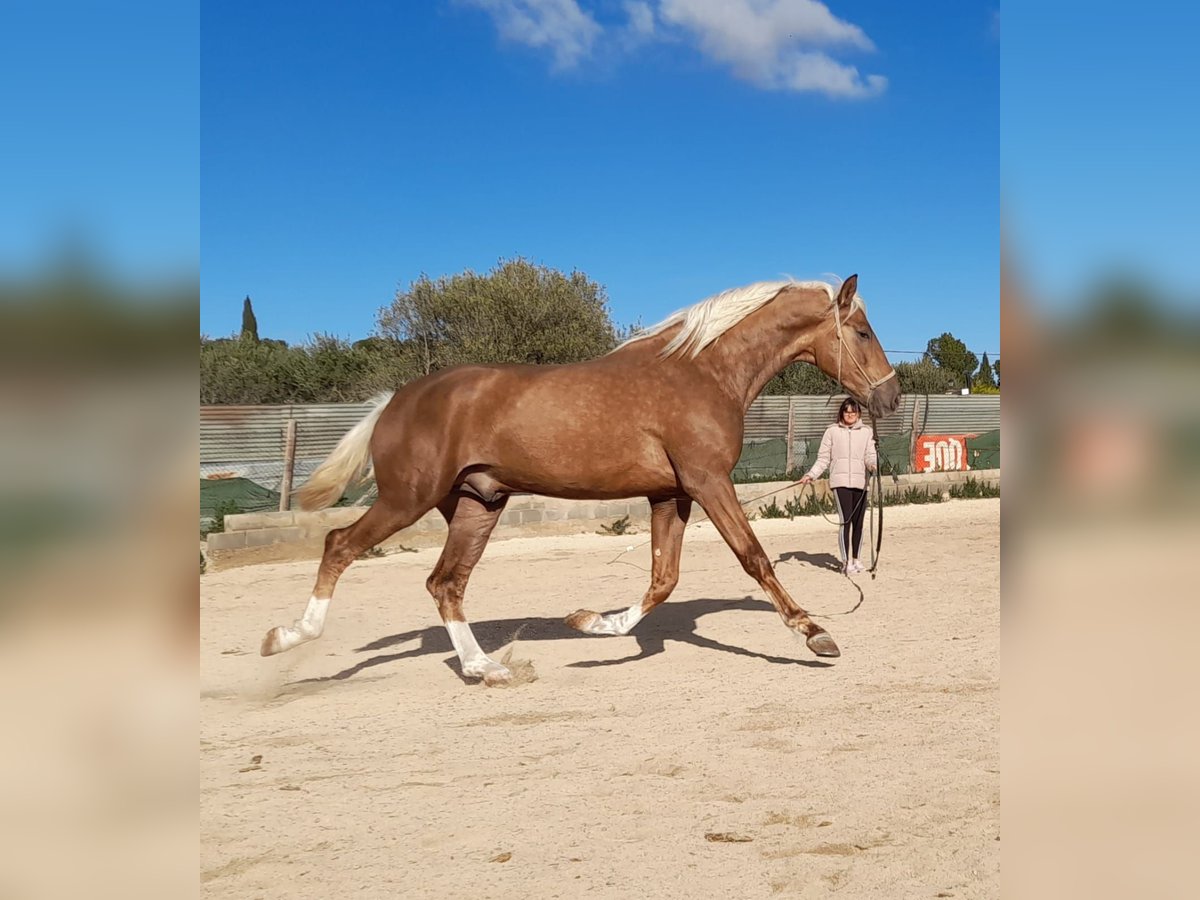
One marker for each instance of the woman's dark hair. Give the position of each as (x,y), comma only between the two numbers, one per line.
(848,403)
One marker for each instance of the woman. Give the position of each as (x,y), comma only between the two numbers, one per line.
(848,451)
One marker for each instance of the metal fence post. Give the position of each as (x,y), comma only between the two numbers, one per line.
(790,458)
(912,435)
(289,463)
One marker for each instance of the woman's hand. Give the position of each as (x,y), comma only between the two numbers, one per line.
(807,479)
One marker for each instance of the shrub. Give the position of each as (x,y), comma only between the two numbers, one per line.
(222,509)
(972,489)
(619,527)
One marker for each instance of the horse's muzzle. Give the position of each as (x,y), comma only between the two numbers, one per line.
(884,399)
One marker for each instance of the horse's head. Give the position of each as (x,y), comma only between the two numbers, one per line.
(849,351)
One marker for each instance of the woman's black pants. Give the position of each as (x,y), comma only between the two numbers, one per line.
(851,505)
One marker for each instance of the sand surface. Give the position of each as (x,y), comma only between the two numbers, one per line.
(384,774)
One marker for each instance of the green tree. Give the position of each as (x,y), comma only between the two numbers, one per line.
(325,369)
(952,356)
(249,322)
(517,313)
(800,378)
(922,377)
(985,378)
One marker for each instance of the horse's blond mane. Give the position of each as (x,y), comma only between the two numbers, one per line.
(707,320)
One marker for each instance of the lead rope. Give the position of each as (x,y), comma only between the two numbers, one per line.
(875,504)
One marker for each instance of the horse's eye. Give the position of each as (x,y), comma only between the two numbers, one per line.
(864,335)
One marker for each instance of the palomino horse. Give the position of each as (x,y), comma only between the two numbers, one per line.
(659,417)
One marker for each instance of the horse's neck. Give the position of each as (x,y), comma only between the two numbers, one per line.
(743,367)
(749,354)
(757,349)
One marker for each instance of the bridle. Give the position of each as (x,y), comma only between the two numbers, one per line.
(871,383)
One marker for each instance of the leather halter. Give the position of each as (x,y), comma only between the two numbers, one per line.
(871,384)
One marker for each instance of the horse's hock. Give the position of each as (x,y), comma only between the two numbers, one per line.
(276,536)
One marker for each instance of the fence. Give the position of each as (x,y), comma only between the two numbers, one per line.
(250,456)
(783,434)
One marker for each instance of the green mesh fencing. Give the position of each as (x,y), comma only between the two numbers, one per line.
(767,460)
(762,461)
(895,454)
(249,496)
(983,450)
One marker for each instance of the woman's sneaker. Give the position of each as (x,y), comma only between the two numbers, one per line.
(855,567)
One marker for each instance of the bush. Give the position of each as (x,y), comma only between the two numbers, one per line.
(805,504)
(518,312)
(972,489)
(773,511)
(914,494)
(220,511)
(618,527)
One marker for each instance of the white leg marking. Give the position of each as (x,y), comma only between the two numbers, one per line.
(307,628)
(475,663)
(618,623)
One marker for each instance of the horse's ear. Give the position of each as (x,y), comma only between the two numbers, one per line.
(846,294)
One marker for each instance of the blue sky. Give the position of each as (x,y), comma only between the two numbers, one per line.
(1098,149)
(101,135)
(669,149)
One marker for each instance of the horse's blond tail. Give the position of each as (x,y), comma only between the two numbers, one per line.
(349,461)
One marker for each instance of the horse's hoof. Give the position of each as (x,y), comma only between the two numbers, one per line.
(271,643)
(583,620)
(822,645)
(491,673)
(497,676)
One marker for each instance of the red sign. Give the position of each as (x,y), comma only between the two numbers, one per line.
(941,453)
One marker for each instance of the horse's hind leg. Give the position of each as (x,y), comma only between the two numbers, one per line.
(470,522)
(668,519)
(342,547)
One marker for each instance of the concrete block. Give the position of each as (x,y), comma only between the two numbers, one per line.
(531,515)
(338,517)
(315,531)
(229,540)
(640,511)
(261,537)
(250,521)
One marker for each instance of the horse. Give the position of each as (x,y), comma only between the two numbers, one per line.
(660,417)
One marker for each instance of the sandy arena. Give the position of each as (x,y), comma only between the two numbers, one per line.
(708,754)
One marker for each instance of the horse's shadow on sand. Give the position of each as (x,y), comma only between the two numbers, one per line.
(669,622)
(818,560)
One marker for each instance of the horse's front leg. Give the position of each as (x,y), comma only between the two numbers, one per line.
(668,518)
(719,499)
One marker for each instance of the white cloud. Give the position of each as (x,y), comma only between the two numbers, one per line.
(557,25)
(641,18)
(783,45)
(772,43)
